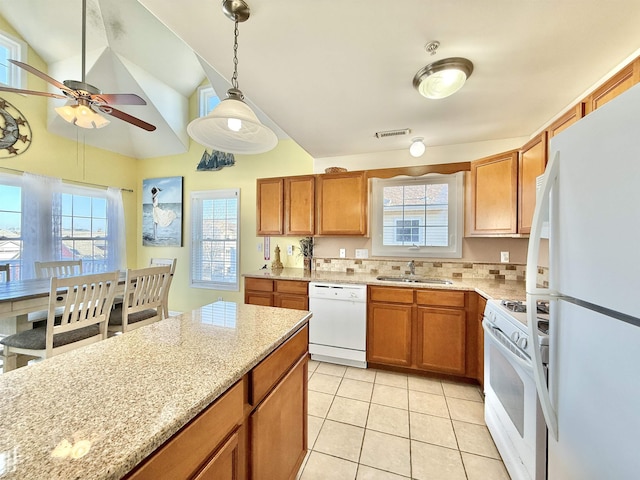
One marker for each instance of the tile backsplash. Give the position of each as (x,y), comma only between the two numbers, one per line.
(443,269)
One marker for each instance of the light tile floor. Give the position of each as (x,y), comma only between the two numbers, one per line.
(367,424)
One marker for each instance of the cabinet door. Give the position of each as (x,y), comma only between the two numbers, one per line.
(225,464)
(531,164)
(494,192)
(440,342)
(296,302)
(269,215)
(620,82)
(389,334)
(566,120)
(258,298)
(342,204)
(299,205)
(279,428)
(482,303)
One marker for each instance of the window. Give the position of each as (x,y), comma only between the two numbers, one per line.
(43,219)
(14,49)
(418,217)
(207,100)
(215,239)
(11,225)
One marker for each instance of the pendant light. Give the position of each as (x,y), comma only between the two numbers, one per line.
(232,126)
(417,147)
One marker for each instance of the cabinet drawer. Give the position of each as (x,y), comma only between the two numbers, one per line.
(271,369)
(259,284)
(292,286)
(443,298)
(183,455)
(390,294)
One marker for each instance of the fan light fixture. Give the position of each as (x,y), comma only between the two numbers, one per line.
(82,115)
(417,147)
(443,78)
(232,126)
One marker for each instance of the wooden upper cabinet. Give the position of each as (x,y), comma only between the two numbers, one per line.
(531,164)
(269,206)
(493,195)
(620,82)
(566,120)
(342,204)
(299,205)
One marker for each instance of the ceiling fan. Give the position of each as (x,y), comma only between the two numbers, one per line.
(89,99)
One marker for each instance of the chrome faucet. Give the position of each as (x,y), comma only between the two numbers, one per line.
(412,267)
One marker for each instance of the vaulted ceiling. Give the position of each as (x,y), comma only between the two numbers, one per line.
(331,73)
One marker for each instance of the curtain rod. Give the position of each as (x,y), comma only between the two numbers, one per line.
(69,181)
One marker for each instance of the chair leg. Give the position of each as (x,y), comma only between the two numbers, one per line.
(9,360)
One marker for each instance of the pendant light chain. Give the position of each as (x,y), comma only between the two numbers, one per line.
(234,79)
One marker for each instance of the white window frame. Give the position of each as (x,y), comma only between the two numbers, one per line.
(197,198)
(455,220)
(16,50)
(205,94)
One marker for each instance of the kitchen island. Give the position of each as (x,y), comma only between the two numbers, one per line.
(99,411)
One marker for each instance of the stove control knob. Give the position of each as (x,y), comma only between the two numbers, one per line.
(515,336)
(523,342)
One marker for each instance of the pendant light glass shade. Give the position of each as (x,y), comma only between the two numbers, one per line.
(82,116)
(417,147)
(232,127)
(443,78)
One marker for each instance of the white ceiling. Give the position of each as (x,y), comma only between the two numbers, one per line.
(331,73)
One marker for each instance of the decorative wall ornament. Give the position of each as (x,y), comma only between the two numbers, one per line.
(215,161)
(162,212)
(16,132)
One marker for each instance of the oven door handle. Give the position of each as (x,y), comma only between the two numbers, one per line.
(521,362)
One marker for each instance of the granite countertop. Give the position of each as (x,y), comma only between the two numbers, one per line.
(97,411)
(488,288)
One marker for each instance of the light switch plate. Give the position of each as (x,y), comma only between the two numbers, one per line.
(362,253)
(343,253)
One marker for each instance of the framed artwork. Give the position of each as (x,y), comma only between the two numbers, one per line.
(162,212)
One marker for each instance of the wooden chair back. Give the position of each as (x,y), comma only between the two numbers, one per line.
(165,261)
(5,273)
(79,302)
(61,268)
(144,297)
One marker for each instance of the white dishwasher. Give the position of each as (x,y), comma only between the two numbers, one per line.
(338,327)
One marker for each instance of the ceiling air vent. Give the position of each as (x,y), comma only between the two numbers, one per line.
(393,133)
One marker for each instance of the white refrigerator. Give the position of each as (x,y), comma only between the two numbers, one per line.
(590,197)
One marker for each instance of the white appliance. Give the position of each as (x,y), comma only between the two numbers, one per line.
(591,197)
(338,328)
(512,411)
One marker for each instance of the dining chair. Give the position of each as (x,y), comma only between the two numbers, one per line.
(78,315)
(5,273)
(165,261)
(143,299)
(61,268)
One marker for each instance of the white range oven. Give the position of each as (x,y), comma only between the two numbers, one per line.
(512,410)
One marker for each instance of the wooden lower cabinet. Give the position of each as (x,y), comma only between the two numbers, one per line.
(421,329)
(277,293)
(481,304)
(279,428)
(256,430)
(440,339)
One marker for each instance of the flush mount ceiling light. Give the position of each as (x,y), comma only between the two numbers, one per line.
(417,147)
(232,126)
(443,78)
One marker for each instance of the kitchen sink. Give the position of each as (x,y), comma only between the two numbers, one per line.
(411,279)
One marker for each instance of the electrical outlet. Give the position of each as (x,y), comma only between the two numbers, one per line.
(362,253)
(504,257)
(259,246)
(289,249)
(343,253)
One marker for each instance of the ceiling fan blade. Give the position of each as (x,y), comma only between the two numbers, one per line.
(42,75)
(118,99)
(127,118)
(31,92)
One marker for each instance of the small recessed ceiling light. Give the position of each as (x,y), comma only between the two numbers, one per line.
(443,78)
(417,147)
